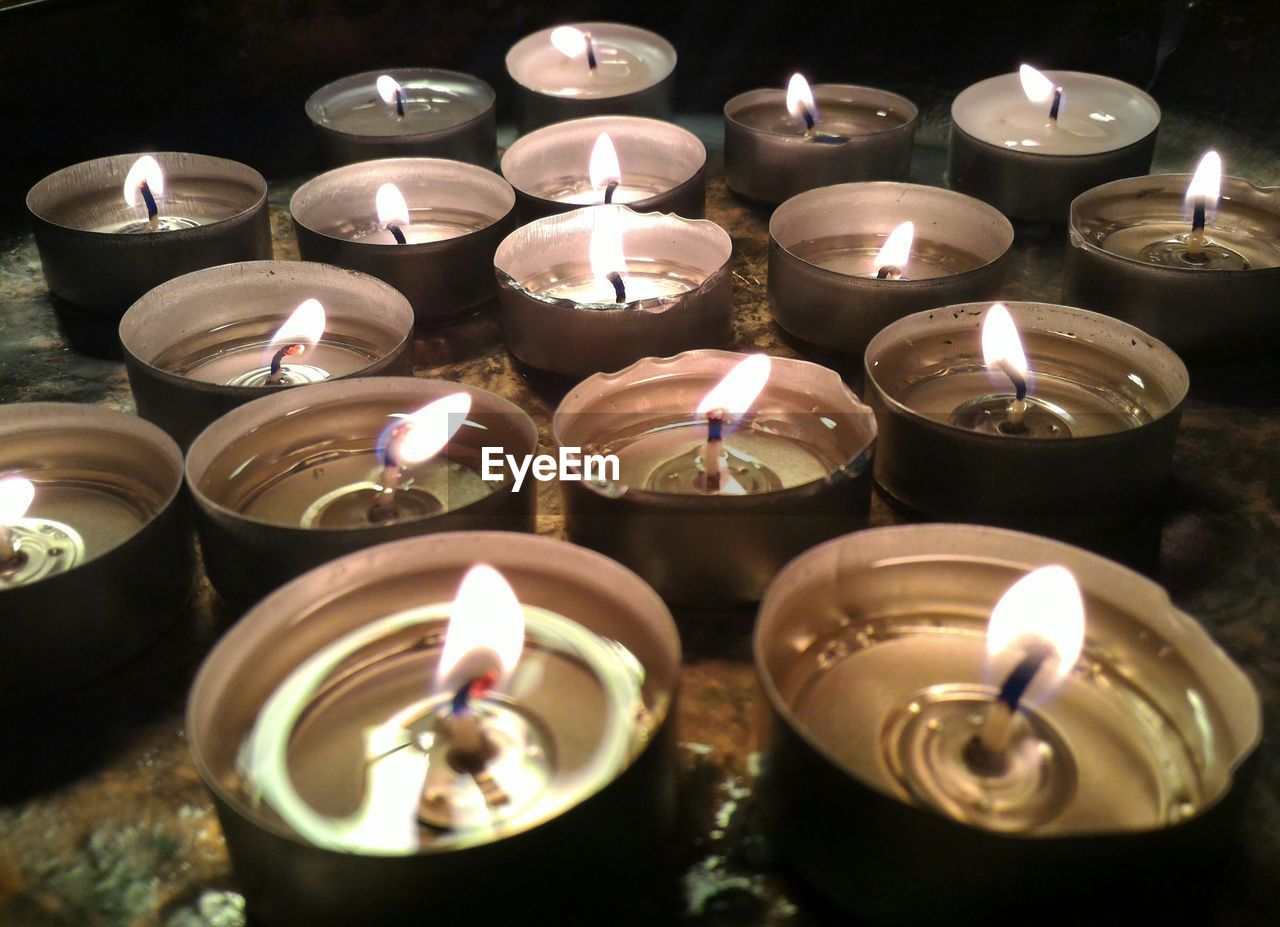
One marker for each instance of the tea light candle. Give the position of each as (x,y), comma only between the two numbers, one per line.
(430,712)
(649,165)
(209,341)
(405,112)
(736,463)
(286,484)
(1040,412)
(590,69)
(1157,250)
(451,216)
(779,143)
(845,261)
(891,658)
(109,230)
(1029,143)
(597,288)
(95,548)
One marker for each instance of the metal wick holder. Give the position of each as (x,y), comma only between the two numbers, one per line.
(1070,484)
(1226,308)
(850,633)
(703,548)
(251,450)
(560,861)
(333,212)
(474,139)
(113,537)
(77,214)
(842,311)
(196,313)
(773,166)
(574,339)
(554,161)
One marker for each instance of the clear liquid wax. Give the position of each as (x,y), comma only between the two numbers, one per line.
(578,189)
(855,256)
(1165,243)
(425,110)
(835,118)
(225,354)
(426,224)
(644,279)
(618,70)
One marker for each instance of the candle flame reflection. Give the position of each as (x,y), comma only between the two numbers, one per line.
(16,495)
(423,434)
(305,326)
(145,170)
(800,102)
(897,248)
(486,629)
(738,390)
(569,41)
(1037,86)
(391,206)
(1001,344)
(388,87)
(603,168)
(1206,183)
(1042,610)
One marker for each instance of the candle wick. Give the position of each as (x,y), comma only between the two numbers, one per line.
(383,508)
(1057,104)
(397,234)
(11,555)
(889,272)
(399,103)
(608,192)
(809,121)
(591,52)
(1015,376)
(277,374)
(711,452)
(153,211)
(1196,240)
(619,287)
(986,753)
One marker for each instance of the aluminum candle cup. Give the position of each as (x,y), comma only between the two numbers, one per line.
(201,345)
(100,254)
(872,653)
(446,115)
(457,215)
(558,316)
(334,838)
(663,167)
(1006,150)
(862,134)
(294,480)
(823,247)
(633,75)
(1128,258)
(798,462)
(1103,407)
(102,558)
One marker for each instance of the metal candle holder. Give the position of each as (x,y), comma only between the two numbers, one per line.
(807,431)
(1107,404)
(554,866)
(767,157)
(543,265)
(649,61)
(448,115)
(105,552)
(855,632)
(187,339)
(262,475)
(663,167)
(822,248)
(1113,227)
(95,259)
(458,213)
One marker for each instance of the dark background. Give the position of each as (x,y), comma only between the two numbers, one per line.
(83,78)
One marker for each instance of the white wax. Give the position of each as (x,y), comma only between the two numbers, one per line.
(592,290)
(628,60)
(1097,114)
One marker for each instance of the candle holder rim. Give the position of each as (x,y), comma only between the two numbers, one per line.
(1041,157)
(737,101)
(1055,551)
(312,105)
(660,40)
(249,173)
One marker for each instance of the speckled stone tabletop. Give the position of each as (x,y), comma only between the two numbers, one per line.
(105,823)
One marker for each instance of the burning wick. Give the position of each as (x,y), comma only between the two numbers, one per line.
(591,51)
(1038,88)
(1205,186)
(603,170)
(1002,348)
(393,210)
(153,211)
(613,185)
(277,374)
(605,250)
(1057,103)
(411,440)
(572,42)
(145,179)
(391,92)
(714,449)
(300,332)
(729,400)
(800,102)
(16,495)
(619,288)
(895,253)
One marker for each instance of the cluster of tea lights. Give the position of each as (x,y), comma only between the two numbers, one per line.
(418,703)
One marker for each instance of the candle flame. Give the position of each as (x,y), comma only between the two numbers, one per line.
(1042,609)
(391,207)
(423,434)
(800,98)
(605,250)
(305,326)
(145,169)
(486,629)
(603,168)
(1206,183)
(569,41)
(1037,86)
(388,86)
(738,390)
(897,248)
(16,495)
(1000,340)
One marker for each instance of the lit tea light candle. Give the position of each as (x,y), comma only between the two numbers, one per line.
(780,143)
(1029,142)
(573,301)
(716,450)
(649,165)
(590,69)
(425,112)
(31,548)
(846,260)
(1002,700)
(1156,250)
(467,692)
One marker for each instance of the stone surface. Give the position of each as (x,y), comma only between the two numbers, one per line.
(104,821)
